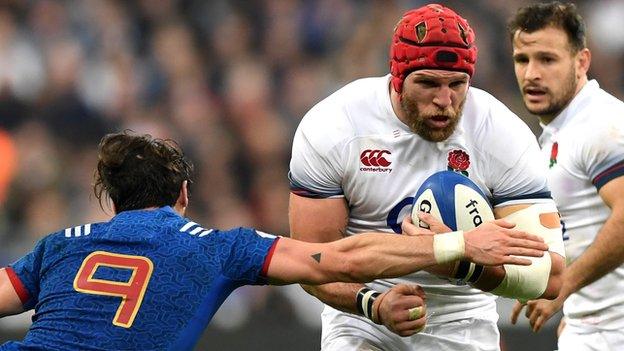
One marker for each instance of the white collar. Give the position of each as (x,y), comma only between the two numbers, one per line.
(568,113)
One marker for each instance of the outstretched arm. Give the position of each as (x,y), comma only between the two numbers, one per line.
(368,256)
(325,220)
(10,302)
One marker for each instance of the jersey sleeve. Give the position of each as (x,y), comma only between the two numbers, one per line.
(315,165)
(249,256)
(602,152)
(25,275)
(516,175)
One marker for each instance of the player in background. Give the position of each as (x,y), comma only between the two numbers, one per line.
(583,150)
(150,279)
(360,155)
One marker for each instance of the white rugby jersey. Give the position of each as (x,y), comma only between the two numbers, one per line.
(353,145)
(584,147)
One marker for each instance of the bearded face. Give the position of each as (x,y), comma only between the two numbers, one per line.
(549,98)
(555,100)
(432,103)
(546,70)
(437,125)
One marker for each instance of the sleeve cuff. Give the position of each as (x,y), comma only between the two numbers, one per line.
(609,174)
(19,287)
(267,260)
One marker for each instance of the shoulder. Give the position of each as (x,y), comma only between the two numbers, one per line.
(486,112)
(81,231)
(74,232)
(58,242)
(335,119)
(602,110)
(240,243)
(499,131)
(245,233)
(193,229)
(190,228)
(596,134)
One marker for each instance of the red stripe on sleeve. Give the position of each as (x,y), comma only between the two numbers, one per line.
(267,260)
(617,167)
(19,287)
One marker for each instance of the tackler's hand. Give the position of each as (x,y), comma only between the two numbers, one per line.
(496,243)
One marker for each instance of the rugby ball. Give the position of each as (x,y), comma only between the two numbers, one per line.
(454,199)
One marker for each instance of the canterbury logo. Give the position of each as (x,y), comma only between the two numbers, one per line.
(375,158)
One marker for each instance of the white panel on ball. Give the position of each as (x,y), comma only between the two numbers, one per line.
(426,202)
(454,199)
(471,209)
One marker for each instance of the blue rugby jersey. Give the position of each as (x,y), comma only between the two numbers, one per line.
(145,280)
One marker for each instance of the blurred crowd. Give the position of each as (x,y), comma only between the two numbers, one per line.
(229,80)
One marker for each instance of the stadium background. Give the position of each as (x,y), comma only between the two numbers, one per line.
(230,80)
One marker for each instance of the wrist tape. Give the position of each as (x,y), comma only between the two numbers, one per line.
(468,272)
(448,247)
(365,299)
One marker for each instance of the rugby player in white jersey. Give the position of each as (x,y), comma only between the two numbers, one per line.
(583,148)
(360,155)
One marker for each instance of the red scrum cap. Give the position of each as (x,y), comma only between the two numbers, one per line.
(431,37)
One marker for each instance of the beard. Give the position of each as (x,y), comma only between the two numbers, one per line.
(560,101)
(416,119)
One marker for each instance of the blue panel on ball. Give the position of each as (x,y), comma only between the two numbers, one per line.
(442,184)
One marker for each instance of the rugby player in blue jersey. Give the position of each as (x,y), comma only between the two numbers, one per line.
(151,279)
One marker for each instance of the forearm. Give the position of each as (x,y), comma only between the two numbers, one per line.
(493,276)
(543,278)
(341,296)
(443,270)
(489,279)
(603,255)
(365,257)
(393,255)
(360,258)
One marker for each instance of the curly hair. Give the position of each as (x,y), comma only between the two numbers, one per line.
(138,171)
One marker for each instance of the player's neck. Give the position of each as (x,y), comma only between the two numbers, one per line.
(546,119)
(180,209)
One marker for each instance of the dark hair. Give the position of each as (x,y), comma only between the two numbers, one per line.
(138,171)
(556,14)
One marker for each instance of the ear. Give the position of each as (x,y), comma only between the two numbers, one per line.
(182,201)
(582,62)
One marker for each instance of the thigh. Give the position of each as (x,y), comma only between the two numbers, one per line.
(353,343)
(358,335)
(467,335)
(614,338)
(573,340)
(346,332)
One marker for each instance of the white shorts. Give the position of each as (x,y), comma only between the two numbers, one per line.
(577,339)
(469,334)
